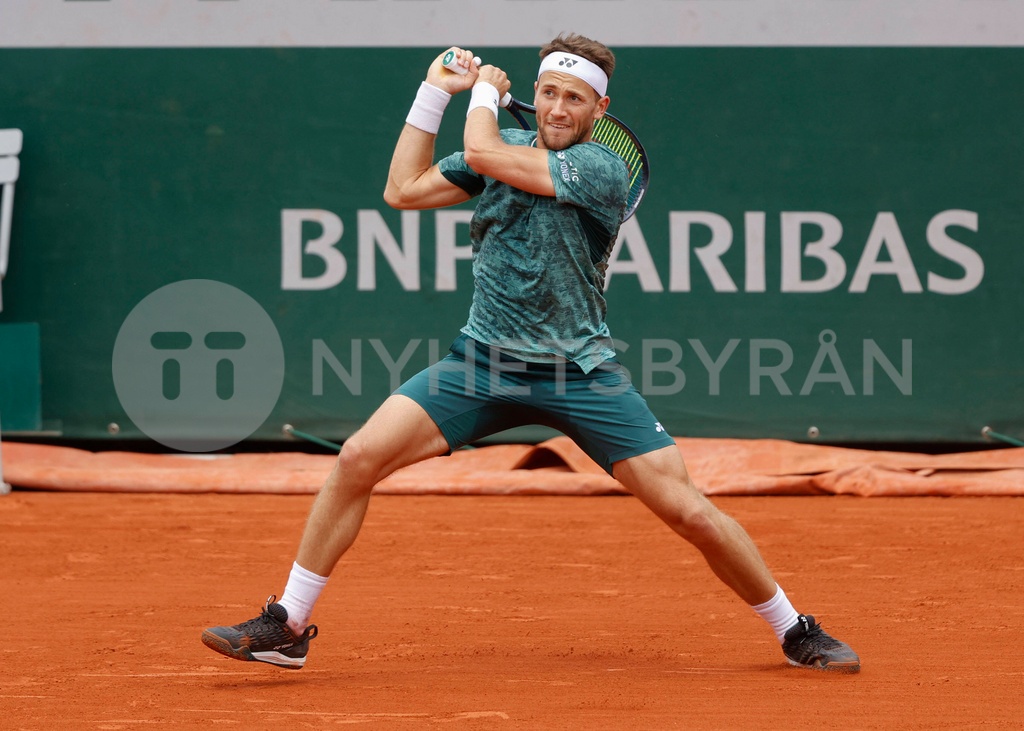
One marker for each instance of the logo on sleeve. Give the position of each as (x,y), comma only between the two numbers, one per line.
(569,173)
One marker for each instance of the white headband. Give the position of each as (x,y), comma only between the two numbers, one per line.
(581,68)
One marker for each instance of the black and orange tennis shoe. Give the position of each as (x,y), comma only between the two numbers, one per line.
(807,645)
(266,638)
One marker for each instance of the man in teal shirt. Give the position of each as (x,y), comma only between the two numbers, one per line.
(535,349)
(539,262)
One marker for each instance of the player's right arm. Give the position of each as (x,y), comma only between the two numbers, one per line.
(414,181)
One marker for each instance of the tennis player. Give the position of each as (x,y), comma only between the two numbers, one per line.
(535,348)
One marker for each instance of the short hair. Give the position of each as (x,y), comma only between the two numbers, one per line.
(594,51)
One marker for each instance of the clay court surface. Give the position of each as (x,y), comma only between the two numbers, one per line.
(508,612)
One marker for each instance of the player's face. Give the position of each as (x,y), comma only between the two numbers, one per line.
(566,110)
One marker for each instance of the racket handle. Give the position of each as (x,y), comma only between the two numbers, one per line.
(451,63)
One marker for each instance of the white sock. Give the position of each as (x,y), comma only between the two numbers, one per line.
(300,594)
(779,613)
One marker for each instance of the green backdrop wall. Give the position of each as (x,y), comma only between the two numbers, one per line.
(831,237)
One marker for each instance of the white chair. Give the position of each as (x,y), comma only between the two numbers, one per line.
(10,146)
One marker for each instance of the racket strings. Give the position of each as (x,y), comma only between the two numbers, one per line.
(622,144)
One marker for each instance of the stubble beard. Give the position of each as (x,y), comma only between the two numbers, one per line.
(555,146)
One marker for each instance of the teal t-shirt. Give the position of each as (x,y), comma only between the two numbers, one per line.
(539,262)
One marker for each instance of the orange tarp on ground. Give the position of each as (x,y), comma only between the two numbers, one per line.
(554,467)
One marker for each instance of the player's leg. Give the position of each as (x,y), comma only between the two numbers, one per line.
(438,409)
(605,414)
(398,434)
(660,480)
(441,408)
(609,419)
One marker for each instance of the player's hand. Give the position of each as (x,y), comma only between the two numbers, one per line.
(450,81)
(496,78)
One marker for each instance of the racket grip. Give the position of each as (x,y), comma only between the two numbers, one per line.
(451,63)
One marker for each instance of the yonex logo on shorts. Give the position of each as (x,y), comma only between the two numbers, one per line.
(198,365)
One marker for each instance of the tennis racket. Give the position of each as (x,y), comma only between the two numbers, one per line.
(609,130)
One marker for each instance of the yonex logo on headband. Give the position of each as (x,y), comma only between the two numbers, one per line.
(581,68)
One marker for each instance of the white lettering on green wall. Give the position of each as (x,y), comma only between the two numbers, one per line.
(807,252)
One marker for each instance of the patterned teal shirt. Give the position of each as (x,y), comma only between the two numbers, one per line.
(539,262)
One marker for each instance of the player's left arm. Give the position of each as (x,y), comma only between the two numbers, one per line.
(521,167)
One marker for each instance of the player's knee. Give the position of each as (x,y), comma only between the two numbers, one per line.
(697,524)
(356,463)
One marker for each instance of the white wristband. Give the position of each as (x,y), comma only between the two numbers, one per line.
(484,95)
(428,108)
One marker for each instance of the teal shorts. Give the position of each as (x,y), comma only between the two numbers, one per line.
(476,391)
